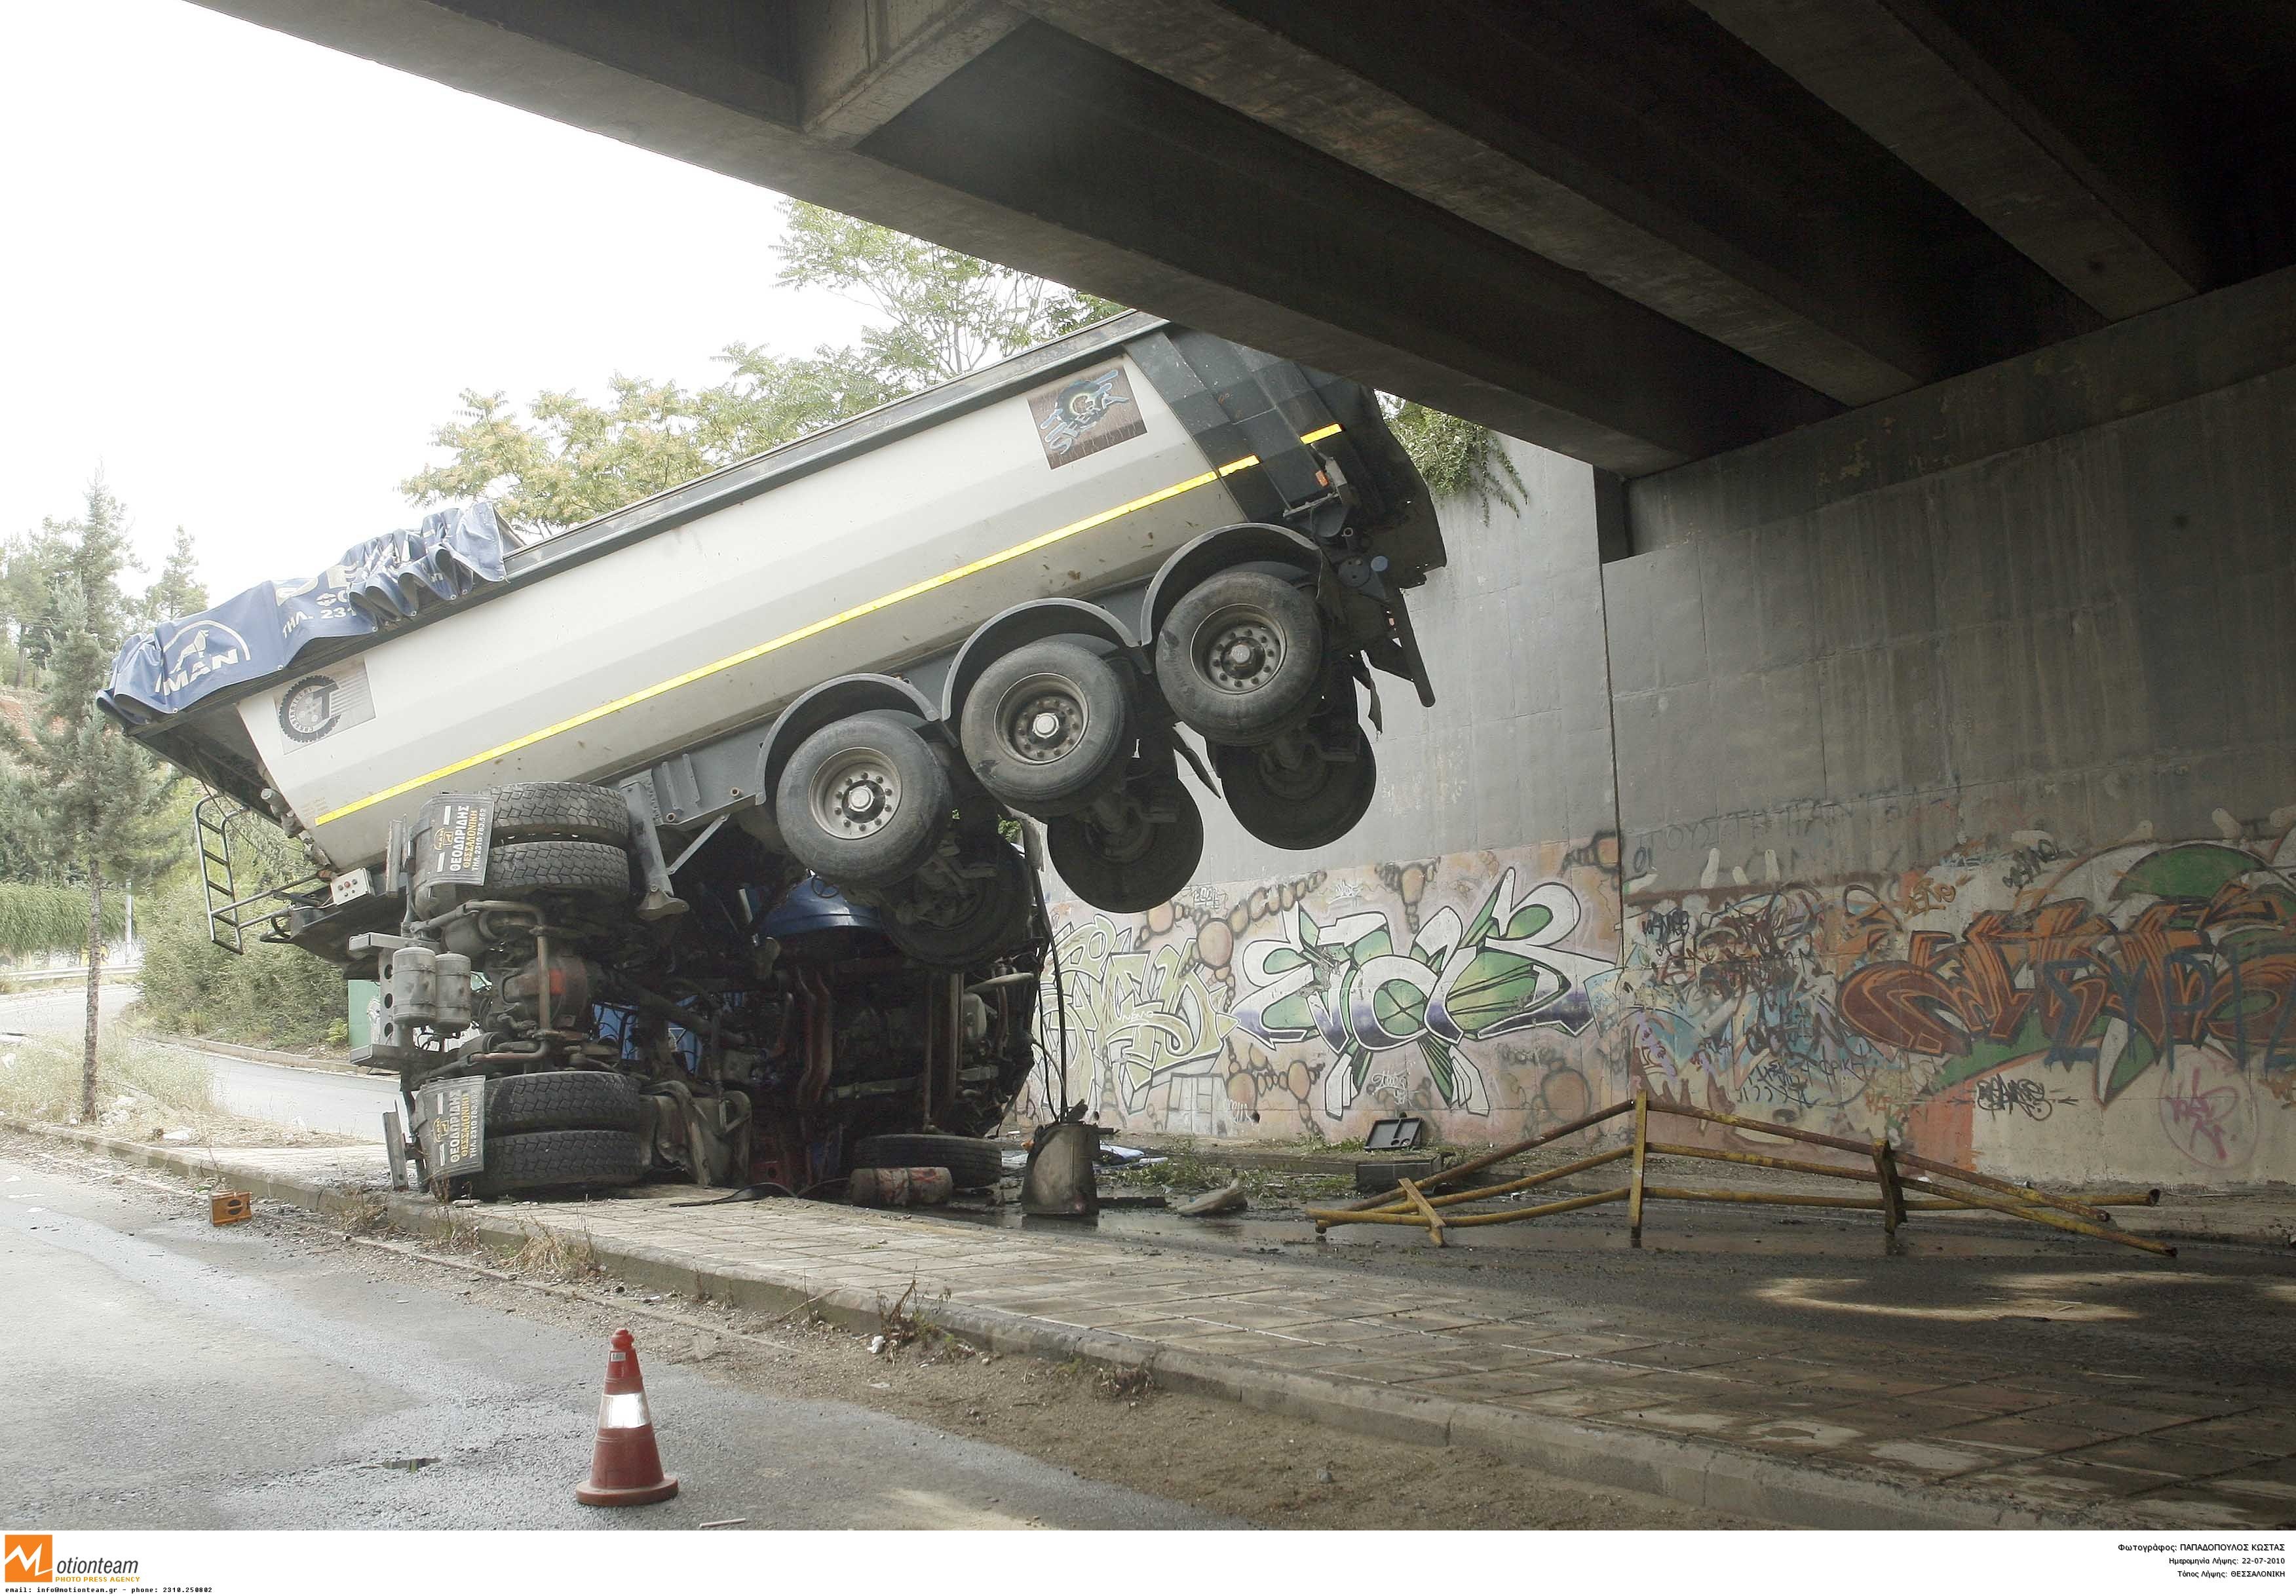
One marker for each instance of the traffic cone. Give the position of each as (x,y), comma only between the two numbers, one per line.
(625,1469)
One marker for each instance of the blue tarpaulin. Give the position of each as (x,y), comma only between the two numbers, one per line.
(252,634)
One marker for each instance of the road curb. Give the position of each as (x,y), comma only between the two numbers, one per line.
(265,1055)
(1687,1471)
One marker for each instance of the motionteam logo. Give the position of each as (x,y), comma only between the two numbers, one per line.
(31,1560)
(27,1560)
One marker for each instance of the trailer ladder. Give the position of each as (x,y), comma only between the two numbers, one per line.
(228,915)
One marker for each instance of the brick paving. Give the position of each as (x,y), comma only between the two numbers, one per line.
(1950,1426)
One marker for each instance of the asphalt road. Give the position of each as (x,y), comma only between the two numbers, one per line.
(317,1100)
(185,1376)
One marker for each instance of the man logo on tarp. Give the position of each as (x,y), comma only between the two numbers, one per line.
(28,1560)
(1086,416)
(201,650)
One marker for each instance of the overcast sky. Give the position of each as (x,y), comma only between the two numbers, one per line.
(246,276)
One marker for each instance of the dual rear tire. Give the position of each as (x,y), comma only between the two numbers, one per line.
(561,1128)
(1241,658)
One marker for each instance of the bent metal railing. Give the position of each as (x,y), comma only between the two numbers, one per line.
(1937,1187)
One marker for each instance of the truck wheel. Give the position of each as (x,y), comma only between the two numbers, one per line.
(562,1099)
(968,934)
(1135,865)
(1303,804)
(970,1163)
(1240,656)
(543,1159)
(864,801)
(561,811)
(1047,727)
(590,869)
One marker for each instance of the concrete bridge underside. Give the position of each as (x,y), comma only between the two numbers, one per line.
(1638,234)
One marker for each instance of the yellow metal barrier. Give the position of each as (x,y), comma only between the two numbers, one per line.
(1939,1187)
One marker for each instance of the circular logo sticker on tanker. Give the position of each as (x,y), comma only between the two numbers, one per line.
(322,703)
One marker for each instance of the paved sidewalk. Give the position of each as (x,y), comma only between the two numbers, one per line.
(1848,1431)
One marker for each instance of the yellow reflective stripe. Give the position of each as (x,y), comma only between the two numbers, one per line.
(802,633)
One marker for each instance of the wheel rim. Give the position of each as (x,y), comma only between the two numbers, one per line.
(855,794)
(1239,648)
(1042,719)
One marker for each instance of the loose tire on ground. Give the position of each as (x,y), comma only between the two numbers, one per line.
(1240,656)
(562,1099)
(1130,872)
(561,811)
(864,801)
(1047,727)
(1308,807)
(545,1159)
(970,1163)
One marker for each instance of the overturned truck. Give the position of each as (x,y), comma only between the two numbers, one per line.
(683,841)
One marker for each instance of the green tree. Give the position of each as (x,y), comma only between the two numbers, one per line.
(27,573)
(567,460)
(179,591)
(943,314)
(94,801)
(1459,458)
(937,315)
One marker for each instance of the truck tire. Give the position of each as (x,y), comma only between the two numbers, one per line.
(1240,656)
(561,811)
(996,922)
(590,869)
(1047,727)
(972,1164)
(1133,870)
(1306,806)
(562,1099)
(544,1158)
(864,801)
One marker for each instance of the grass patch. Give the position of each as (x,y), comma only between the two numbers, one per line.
(556,1256)
(145,1091)
(1184,1169)
(140,1088)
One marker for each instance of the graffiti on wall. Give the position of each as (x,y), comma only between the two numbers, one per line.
(1339,993)
(2014,983)
(1350,985)
(2136,1001)
(1141,1013)
(2195,947)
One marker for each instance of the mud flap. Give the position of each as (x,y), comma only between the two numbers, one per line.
(450,1125)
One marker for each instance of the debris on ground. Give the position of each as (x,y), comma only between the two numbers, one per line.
(1225,1199)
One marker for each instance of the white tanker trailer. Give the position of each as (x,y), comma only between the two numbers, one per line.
(679,840)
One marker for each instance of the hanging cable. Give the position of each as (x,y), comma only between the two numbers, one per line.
(1060,980)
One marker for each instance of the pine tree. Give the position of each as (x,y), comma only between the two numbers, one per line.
(178,591)
(96,802)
